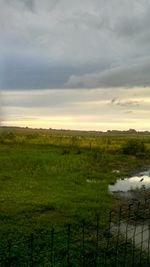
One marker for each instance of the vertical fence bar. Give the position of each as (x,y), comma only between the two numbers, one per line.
(0,256)
(117,241)
(148,254)
(126,234)
(134,235)
(141,247)
(111,253)
(108,237)
(52,248)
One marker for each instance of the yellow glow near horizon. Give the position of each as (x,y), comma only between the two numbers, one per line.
(97,109)
(63,123)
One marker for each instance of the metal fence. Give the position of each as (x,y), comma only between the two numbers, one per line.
(123,241)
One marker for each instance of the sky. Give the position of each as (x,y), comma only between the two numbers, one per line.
(75,64)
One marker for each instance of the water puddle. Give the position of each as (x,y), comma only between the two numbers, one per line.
(132,188)
(138,235)
(139,181)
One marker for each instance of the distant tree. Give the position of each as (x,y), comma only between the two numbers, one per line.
(133,131)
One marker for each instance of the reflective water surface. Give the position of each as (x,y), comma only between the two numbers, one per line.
(139,181)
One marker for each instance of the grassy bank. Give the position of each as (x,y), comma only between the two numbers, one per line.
(50,178)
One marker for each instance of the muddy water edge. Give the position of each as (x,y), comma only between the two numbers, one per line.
(134,193)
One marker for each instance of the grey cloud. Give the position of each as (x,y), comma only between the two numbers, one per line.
(30,70)
(33,100)
(21,4)
(30,73)
(50,98)
(57,44)
(134,25)
(134,74)
(30,4)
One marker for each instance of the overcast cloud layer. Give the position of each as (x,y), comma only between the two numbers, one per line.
(50,48)
(74,44)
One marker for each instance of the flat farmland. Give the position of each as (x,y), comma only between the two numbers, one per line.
(55,177)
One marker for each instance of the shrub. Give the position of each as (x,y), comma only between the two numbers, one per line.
(134,147)
(7,136)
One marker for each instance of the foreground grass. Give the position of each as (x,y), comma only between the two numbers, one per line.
(48,180)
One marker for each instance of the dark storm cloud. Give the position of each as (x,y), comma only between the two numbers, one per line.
(73,44)
(29,71)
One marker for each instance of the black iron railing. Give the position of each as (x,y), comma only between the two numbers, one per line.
(124,241)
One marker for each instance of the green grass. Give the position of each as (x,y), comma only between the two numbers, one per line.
(43,177)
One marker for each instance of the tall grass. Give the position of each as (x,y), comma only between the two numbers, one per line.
(49,178)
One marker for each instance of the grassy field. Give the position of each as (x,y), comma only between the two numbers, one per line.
(46,177)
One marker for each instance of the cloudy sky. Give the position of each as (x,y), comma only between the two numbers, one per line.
(75,64)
